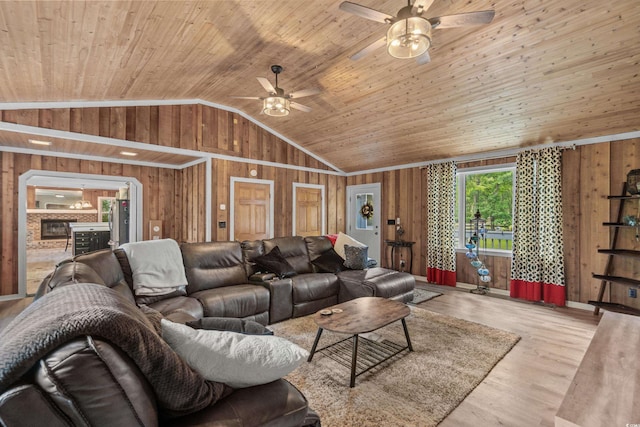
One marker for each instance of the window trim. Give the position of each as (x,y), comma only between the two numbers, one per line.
(460,193)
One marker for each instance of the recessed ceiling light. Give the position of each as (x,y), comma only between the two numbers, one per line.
(35,141)
(128,153)
(60,196)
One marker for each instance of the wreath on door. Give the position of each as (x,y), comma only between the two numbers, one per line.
(366,210)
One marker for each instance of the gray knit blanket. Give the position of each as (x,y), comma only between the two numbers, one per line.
(88,309)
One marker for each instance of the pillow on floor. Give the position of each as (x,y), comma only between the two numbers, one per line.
(234,359)
(344,239)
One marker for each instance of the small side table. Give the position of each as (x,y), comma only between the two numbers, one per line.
(394,244)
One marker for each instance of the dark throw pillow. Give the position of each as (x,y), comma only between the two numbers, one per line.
(355,257)
(241,326)
(329,262)
(274,262)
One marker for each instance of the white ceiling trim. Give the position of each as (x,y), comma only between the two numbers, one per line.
(204,155)
(273,132)
(19,150)
(96,139)
(147,103)
(498,154)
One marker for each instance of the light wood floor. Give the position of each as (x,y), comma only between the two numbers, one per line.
(526,388)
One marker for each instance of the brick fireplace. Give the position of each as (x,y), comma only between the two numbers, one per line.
(54,234)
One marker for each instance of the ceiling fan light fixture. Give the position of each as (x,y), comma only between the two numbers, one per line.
(409,38)
(276,106)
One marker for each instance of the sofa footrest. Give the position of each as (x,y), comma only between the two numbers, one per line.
(375,282)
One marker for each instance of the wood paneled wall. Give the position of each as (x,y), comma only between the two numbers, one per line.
(590,174)
(193,127)
(335,195)
(159,186)
(175,197)
(403,196)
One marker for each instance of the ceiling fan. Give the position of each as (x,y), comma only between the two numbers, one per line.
(277,103)
(410,33)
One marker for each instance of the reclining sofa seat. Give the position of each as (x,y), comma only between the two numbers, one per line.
(217,278)
(370,282)
(89,381)
(305,293)
(310,290)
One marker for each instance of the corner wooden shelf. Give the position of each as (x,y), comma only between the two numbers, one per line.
(629,253)
(607,277)
(618,224)
(618,308)
(624,196)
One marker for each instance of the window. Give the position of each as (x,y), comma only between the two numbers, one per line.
(490,192)
(364,217)
(104,206)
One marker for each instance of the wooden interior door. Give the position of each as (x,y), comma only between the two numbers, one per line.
(252,211)
(308,210)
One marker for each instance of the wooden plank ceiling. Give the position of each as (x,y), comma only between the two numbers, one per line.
(542,70)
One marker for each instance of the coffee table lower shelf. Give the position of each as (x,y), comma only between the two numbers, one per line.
(365,354)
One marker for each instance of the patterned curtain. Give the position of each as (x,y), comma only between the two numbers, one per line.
(537,267)
(441,201)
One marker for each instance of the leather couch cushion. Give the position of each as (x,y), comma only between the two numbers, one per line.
(314,286)
(230,324)
(26,405)
(234,301)
(317,245)
(74,272)
(250,250)
(294,250)
(105,263)
(185,305)
(212,265)
(275,404)
(374,282)
(88,379)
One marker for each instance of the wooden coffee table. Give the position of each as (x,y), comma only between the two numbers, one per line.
(359,316)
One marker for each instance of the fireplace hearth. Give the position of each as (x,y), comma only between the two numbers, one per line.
(51,229)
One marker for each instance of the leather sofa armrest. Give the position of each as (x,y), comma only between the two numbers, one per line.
(280,299)
(261,277)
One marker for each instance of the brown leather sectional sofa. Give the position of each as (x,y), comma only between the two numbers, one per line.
(222,282)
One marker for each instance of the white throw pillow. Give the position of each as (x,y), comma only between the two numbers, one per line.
(235,359)
(344,239)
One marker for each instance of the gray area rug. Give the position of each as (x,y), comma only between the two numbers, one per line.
(422,295)
(420,388)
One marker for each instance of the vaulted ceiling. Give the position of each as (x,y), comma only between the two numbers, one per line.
(542,70)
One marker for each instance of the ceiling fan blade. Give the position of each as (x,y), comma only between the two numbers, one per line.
(463,19)
(424,58)
(246,97)
(305,92)
(420,6)
(266,84)
(300,107)
(365,12)
(367,50)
